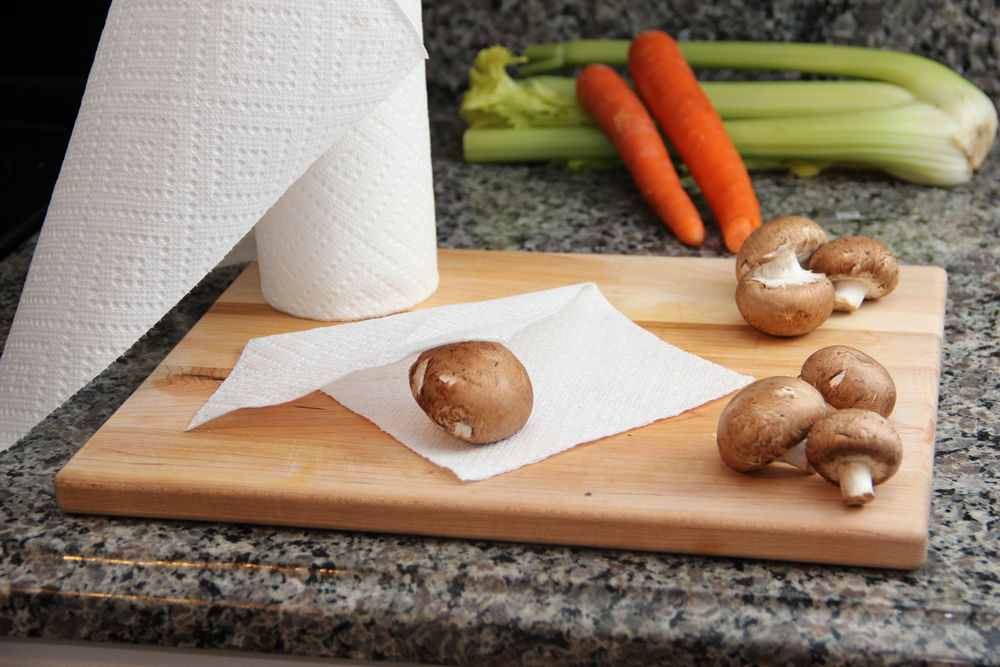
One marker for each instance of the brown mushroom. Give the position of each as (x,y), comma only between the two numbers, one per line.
(849,378)
(767,421)
(781,298)
(855,449)
(798,233)
(476,390)
(859,267)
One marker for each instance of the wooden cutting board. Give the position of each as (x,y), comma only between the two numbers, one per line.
(661,487)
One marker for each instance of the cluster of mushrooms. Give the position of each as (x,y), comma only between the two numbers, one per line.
(831,420)
(791,278)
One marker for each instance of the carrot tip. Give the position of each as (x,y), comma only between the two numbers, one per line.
(693,237)
(736,232)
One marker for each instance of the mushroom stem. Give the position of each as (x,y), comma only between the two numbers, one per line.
(849,294)
(855,483)
(796,457)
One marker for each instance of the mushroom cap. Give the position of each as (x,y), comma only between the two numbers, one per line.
(800,234)
(476,390)
(849,378)
(859,258)
(766,419)
(781,298)
(854,435)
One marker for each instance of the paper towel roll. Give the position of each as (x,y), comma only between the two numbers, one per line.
(196,120)
(355,236)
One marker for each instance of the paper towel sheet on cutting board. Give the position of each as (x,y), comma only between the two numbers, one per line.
(594,373)
(312,462)
(195,122)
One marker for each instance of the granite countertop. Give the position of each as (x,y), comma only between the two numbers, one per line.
(436,600)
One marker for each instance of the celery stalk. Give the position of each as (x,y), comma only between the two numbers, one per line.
(495,99)
(917,150)
(747,99)
(975,117)
(732,99)
(536,144)
(551,56)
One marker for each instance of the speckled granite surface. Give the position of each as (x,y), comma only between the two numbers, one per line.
(328,593)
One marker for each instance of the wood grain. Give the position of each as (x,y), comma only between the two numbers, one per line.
(663,487)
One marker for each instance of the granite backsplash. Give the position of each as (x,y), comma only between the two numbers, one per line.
(962,35)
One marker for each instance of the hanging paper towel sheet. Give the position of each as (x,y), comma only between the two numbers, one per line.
(198,121)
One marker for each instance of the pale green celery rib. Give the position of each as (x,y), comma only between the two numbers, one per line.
(746,99)
(929,81)
(536,144)
(549,57)
(911,142)
(766,99)
(907,142)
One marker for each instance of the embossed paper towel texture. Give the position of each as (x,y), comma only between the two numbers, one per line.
(197,117)
(594,373)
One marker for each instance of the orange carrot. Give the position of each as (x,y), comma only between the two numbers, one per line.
(668,87)
(631,130)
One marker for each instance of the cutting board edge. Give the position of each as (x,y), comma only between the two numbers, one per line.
(904,549)
(906,555)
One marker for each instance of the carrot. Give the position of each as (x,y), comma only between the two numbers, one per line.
(668,87)
(631,130)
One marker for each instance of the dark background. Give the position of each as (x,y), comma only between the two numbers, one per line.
(46,49)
